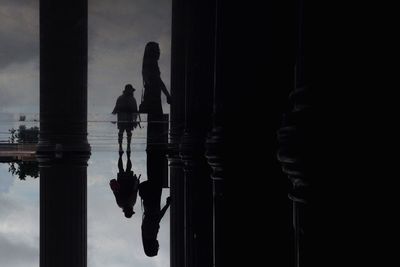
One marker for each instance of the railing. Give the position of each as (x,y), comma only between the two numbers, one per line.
(102,132)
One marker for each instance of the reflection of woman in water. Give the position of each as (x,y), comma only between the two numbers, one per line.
(153,85)
(150,192)
(125,187)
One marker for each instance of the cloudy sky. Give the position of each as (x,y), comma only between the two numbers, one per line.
(19,55)
(118,32)
(19,220)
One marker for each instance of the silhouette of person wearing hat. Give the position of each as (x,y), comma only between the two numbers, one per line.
(126,110)
(125,187)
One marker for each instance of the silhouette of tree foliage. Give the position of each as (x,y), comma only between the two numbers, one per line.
(27,135)
(24,135)
(24,168)
(13,135)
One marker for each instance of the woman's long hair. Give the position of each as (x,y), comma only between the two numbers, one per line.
(150,58)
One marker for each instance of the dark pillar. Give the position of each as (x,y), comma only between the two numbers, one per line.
(214,143)
(199,83)
(176,215)
(178,41)
(215,160)
(192,86)
(296,144)
(198,241)
(63,76)
(63,149)
(176,130)
(63,213)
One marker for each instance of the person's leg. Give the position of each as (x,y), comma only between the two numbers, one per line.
(120,136)
(129,137)
(120,164)
(128,163)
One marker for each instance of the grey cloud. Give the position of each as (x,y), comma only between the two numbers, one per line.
(6,207)
(19,55)
(19,32)
(19,88)
(17,254)
(6,181)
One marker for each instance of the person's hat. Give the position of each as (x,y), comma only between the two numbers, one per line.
(129,88)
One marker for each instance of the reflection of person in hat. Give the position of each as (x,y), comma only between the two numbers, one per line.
(126,110)
(125,187)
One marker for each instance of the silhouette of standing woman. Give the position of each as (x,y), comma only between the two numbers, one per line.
(153,85)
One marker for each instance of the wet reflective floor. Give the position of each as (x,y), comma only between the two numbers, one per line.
(113,239)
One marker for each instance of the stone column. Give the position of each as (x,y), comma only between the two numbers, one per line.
(176,215)
(198,239)
(214,143)
(63,149)
(63,76)
(63,212)
(178,41)
(192,83)
(296,147)
(199,84)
